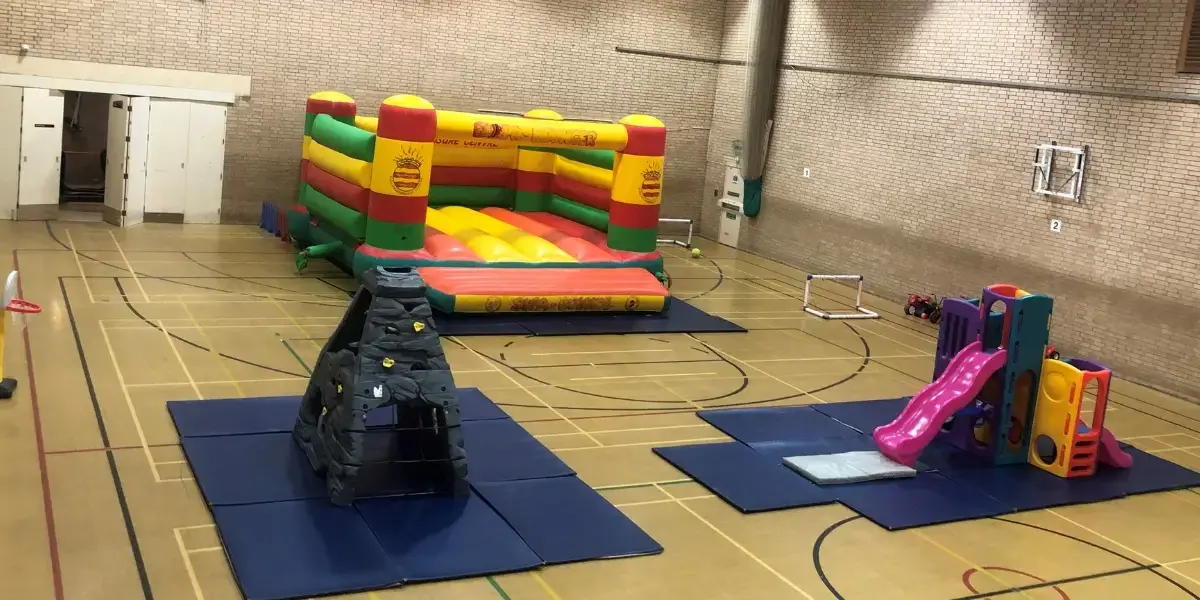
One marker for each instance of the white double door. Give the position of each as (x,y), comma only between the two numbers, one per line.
(173,161)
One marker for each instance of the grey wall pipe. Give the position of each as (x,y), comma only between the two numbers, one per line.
(768,25)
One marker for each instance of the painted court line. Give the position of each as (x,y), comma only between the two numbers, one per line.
(82,275)
(596,352)
(137,423)
(760,371)
(1119,544)
(664,501)
(212,349)
(735,544)
(128,266)
(611,377)
(655,443)
(529,392)
(634,429)
(187,564)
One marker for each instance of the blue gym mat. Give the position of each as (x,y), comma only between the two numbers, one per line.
(866,415)
(501,450)
(302,548)
(927,499)
(277,414)
(952,485)
(285,540)
(744,478)
(680,317)
(564,520)
(433,537)
(787,423)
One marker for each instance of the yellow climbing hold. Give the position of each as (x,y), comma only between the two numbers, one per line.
(418,327)
(389,362)
(339,388)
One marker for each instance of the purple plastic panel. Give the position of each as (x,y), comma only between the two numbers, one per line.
(989,298)
(1084,364)
(959,327)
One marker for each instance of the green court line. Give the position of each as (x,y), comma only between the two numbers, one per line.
(496,586)
(296,355)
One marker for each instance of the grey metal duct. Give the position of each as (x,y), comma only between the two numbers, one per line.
(768,22)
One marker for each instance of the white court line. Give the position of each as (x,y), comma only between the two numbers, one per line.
(187,564)
(765,360)
(1119,544)
(610,377)
(128,266)
(625,486)
(137,423)
(635,429)
(529,392)
(230,382)
(86,286)
(183,364)
(736,359)
(664,501)
(595,352)
(744,550)
(634,444)
(208,549)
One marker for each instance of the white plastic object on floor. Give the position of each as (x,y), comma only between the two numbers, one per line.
(848,467)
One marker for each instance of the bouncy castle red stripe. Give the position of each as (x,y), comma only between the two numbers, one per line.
(345,193)
(580,192)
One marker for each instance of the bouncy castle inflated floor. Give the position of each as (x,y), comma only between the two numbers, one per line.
(498,213)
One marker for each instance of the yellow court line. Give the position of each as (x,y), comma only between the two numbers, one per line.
(595,352)
(212,348)
(215,382)
(1118,544)
(128,266)
(738,360)
(303,330)
(182,363)
(744,550)
(187,564)
(208,549)
(966,561)
(820,358)
(690,402)
(633,444)
(665,501)
(86,286)
(633,429)
(545,586)
(611,377)
(137,423)
(557,413)
(621,486)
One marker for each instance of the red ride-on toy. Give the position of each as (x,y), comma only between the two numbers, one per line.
(926,307)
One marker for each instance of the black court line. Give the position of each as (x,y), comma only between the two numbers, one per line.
(1137,565)
(53,237)
(134,546)
(184,340)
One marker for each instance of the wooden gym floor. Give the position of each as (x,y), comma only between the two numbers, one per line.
(98,503)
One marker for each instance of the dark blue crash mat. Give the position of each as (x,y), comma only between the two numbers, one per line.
(950,485)
(284,539)
(680,317)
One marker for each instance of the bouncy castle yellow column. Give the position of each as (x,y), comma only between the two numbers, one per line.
(400,173)
(637,186)
(535,170)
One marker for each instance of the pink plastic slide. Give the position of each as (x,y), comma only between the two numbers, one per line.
(903,439)
(1111,453)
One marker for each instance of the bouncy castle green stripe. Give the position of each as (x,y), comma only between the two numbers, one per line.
(352,222)
(396,236)
(308,123)
(596,158)
(470,196)
(347,139)
(531,201)
(632,240)
(592,217)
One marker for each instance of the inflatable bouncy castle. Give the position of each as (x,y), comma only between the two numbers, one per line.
(497,213)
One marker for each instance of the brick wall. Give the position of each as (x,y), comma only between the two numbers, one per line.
(510,54)
(924,185)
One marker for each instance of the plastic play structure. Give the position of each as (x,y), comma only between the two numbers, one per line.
(11,304)
(498,213)
(996,395)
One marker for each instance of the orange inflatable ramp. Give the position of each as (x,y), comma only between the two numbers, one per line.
(493,290)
